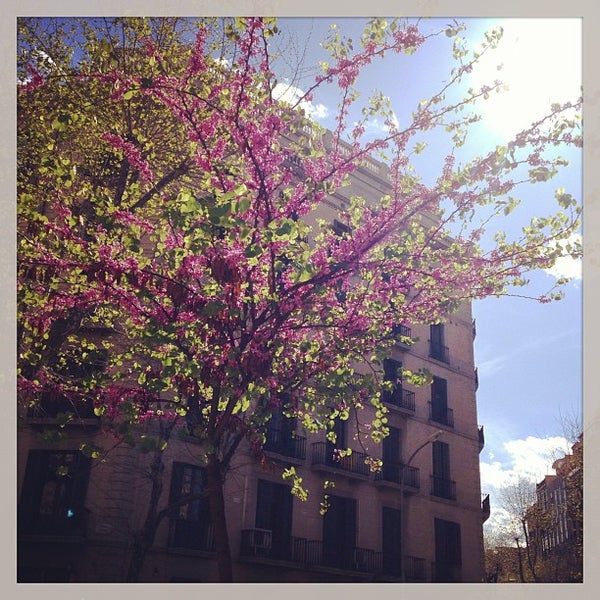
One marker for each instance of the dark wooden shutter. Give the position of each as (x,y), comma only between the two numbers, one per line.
(391,539)
(441,460)
(439,400)
(448,552)
(274,504)
(339,532)
(391,455)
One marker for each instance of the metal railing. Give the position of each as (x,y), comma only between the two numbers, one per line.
(401,330)
(258,543)
(293,446)
(400,474)
(445,572)
(324,454)
(443,416)
(400,397)
(439,352)
(485,507)
(443,488)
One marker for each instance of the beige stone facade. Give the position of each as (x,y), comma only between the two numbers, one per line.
(371,531)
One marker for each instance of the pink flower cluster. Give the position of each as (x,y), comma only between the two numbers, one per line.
(132,154)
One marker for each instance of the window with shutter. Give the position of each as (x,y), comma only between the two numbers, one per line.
(190,525)
(53,493)
(339,532)
(274,513)
(448,553)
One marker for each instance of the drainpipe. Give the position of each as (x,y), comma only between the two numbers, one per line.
(403,500)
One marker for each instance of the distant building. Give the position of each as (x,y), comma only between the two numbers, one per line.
(419,522)
(555,522)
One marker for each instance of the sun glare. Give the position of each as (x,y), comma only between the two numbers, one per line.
(540,60)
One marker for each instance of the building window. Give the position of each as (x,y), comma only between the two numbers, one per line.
(281,436)
(274,517)
(392,376)
(53,493)
(190,525)
(437,349)
(439,411)
(448,556)
(339,532)
(391,541)
(442,485)
(392,466)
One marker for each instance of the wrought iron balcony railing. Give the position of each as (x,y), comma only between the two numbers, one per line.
(400,397)
(443,488)
(485,507)
(439,352)
(442,572)
(323,454)
(442,415)
(399,474)
(260,543)
(293,446)
(401,330)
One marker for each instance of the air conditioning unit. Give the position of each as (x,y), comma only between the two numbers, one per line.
(259,541)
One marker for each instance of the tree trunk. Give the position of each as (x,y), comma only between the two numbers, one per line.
(531,553)
(520,555)
(216,502)
(144,538)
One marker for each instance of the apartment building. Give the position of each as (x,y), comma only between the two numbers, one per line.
(555,521)
(417,520)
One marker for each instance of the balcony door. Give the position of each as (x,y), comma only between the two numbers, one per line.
(391,540)
(448,558)
(339,532)
(392,470)
(274,513)
(439,400)
(189,521)
(53,493)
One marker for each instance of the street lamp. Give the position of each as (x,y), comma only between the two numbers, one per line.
(432,438)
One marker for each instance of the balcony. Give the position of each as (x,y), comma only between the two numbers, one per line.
(476,378)
(404,331)
(485,508)
(481,438)
(443,488)
(439,352)
(399,475)
(446,572)
(258,544)
(51,407)
(323,456)
(292,447)
(414,568)
(400,398)
(444,416)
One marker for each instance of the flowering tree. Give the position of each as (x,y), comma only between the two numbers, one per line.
(166,195)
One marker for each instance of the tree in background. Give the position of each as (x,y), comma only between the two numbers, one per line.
(165,196)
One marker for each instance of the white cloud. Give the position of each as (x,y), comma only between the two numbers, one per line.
(292,95)
(540,61)
(530,458)
(567,266)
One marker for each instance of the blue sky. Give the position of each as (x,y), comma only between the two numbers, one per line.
(529,355)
